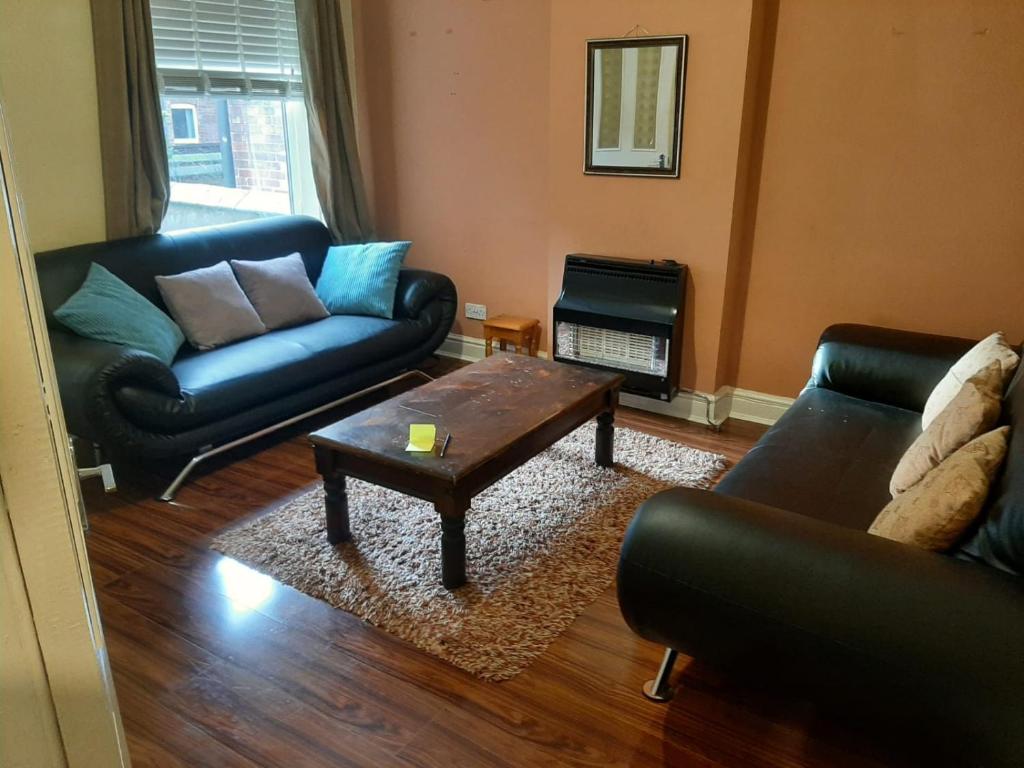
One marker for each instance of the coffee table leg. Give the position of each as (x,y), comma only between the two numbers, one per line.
(335,497)
(604,450)
(336,505)
(453,541)
(453,552)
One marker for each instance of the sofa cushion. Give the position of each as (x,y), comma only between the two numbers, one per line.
(280,291)
(991,349)
(210,306)
(362,279)
(106,308)
(830,457)
(999,538)
(974,410)
(934,514)
(224,381)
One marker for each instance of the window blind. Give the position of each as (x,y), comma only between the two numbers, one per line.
(227,46)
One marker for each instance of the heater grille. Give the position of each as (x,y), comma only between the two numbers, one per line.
(624,315)
(614,349)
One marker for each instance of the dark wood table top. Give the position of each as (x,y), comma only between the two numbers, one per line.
(487,406)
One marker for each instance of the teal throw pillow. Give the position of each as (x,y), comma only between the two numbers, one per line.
(362,279)
(108,309)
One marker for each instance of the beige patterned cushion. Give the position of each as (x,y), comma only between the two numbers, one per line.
(977,357)
(974,410)
(935,512)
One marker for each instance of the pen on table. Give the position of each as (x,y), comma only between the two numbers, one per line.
(447,441)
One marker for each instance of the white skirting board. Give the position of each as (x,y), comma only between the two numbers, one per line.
(461,347)
(726,403)
(758,407)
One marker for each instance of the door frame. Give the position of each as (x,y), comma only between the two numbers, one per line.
(42,502)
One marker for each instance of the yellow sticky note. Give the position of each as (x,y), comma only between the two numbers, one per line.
(421,437)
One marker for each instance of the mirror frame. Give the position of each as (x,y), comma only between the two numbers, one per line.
(670,172)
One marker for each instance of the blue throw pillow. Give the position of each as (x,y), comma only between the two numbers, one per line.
(108,309)
(362,279)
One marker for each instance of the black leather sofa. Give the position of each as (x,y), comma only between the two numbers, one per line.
(133,405)
(774,568)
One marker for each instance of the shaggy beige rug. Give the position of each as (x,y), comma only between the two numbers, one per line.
(541,545)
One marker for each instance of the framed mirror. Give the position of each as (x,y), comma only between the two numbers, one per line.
(635,89)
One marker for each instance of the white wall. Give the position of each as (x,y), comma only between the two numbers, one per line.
(48,83)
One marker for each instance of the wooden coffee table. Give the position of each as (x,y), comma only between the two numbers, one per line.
(501,412)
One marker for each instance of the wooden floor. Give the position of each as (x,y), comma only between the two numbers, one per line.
(217,665)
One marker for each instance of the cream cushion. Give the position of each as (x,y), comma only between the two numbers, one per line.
(935,513)
(988,350)
(974,410)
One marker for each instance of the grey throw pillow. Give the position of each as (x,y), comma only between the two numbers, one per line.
(280,291)
(210,306)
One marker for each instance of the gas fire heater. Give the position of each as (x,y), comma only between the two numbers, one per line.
(623,315)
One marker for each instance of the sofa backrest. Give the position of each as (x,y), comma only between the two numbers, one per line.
(999,539)
(884,365)
(139,260)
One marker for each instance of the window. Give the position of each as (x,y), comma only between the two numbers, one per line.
(235,122)
(183,123)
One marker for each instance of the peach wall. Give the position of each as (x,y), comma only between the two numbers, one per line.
(471,116)
(882,142)
(689,219)
(892,182)
(453,98)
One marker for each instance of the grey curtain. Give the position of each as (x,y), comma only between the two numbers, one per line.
(135,174)
(332,131)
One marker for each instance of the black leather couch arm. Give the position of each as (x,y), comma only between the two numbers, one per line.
(884,365)
(733,581)
(418,287)
(88,371)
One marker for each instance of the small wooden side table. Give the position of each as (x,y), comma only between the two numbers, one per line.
(524,332)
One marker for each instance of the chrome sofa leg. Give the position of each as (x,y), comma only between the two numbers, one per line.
(172,489)
(100,468)
(659,689)
(103,471)
(210,451)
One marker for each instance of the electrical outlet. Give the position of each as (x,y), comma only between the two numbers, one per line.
(476,311)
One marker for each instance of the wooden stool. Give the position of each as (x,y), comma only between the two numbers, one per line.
(524,332)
